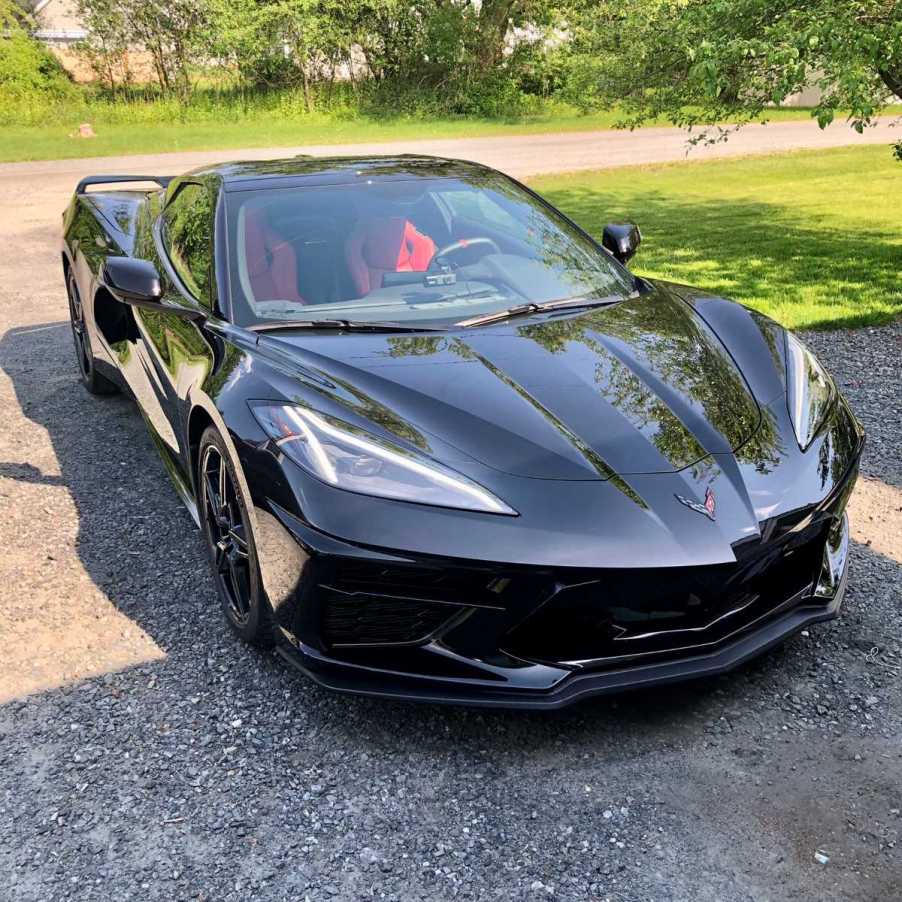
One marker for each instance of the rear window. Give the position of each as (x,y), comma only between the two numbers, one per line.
(424,250)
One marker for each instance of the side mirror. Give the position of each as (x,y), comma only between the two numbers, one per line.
(622,239)
(133,281)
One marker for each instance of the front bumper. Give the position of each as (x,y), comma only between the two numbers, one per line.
(572,688)
(521,640)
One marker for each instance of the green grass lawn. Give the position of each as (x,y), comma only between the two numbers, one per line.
(813,239)
(47,142)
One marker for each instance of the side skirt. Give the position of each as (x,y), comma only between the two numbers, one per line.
(183,490)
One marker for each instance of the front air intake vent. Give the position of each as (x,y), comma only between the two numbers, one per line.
(364,618)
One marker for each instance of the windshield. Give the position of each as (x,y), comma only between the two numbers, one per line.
(419,251)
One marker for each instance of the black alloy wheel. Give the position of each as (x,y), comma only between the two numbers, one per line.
(225,522)
(92,380)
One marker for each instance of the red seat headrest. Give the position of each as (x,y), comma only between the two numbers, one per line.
(271,261)
(389,244)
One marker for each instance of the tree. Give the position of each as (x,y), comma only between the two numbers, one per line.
(699,62)
(105,46)
(174,33)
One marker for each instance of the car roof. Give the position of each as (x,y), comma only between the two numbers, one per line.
(308,170)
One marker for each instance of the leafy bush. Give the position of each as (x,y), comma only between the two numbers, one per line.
(292,59)
(31,78)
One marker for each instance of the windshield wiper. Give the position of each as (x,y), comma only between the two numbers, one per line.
(524,309)
(339,325)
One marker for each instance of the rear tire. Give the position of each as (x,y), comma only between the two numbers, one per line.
(87,371)
(226,524)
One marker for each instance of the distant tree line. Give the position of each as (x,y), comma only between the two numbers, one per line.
(692,60)
(695,63)
(454,47)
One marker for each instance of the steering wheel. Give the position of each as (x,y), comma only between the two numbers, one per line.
(461,245)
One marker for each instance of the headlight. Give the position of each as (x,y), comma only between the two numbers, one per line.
(810,391)
(351,459)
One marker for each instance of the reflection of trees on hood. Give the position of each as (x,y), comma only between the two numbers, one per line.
(635,346)
(657,336)
(349,396)
(835,451)
(774,336)
(416,345)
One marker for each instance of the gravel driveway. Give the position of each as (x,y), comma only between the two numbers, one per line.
(146,754)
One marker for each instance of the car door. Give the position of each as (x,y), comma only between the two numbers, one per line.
(171,350)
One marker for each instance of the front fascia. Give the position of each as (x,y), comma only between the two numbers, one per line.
(637,522)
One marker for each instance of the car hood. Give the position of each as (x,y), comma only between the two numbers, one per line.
(638,387)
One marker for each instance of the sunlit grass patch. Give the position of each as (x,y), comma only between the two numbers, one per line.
(813,239)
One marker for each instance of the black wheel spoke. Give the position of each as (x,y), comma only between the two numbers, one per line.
(212,496)
(222,556)
(239,542)
(228,535)
(223,489)
(240,587)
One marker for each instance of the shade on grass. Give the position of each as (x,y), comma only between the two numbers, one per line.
(813,239)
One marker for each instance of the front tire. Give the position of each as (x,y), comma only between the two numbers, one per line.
(225,521)
(87,371)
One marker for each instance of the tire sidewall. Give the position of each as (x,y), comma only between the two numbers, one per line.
(85,368)
(257,629)
(93,381)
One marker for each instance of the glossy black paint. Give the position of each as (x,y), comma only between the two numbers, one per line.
(622,239)
(132,281)
(591,424)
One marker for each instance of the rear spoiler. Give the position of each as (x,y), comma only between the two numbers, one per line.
(161,180)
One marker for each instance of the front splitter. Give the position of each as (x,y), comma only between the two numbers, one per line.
(353,679)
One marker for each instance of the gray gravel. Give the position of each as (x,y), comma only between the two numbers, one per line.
(867,365)
(217,773)
(147,754)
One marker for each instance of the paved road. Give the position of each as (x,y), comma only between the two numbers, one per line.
(146,754)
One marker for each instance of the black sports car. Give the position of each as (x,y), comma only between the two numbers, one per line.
(443,445)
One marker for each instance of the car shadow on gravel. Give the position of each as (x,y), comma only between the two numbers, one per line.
(141,550)
(134,539)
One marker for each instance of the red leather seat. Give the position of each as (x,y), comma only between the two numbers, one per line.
(388,244)
(271,261)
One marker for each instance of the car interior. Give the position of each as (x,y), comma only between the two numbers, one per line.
(400,247)
(296,252)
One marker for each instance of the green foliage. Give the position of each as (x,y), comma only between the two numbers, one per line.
(174,34)
(30,76)
(187,220)
(450,56)
(105,48)
(691,62)
(697,62)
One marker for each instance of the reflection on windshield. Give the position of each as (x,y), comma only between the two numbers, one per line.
(417,250)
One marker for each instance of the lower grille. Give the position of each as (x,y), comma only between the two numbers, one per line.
(364,619)
(615,615)
(363,605)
